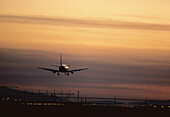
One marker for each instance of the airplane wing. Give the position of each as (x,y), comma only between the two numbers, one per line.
(78,69)
(53,70)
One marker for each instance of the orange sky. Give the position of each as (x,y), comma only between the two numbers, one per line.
(121,23)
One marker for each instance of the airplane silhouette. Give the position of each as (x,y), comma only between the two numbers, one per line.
(62,68)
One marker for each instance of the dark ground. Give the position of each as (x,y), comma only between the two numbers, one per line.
(16,110)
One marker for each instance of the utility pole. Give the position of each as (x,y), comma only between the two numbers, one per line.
(146,101)
(54,95)
(24,95)
(39,94)
(78,95)
(69,95)
(115,101)
(85,99)
(61,96)
(46,95)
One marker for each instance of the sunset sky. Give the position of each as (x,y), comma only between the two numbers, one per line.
(124,43)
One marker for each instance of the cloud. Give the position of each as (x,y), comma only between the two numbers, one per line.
(63,21)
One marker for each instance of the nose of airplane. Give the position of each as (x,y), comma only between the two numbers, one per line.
(66,67)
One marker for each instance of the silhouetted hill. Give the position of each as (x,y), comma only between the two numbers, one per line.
(154,102)
(28,96)
(106,102)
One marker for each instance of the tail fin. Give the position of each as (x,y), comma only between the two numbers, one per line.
(61,61)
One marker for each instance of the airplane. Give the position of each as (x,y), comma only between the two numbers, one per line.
(62,68)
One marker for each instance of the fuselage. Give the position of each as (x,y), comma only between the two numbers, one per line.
(63,68)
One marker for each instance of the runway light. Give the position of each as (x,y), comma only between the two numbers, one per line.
(162,106)
(168,106)
(154,106)
(58,104)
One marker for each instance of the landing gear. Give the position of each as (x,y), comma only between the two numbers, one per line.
(67,73)
(58,73)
